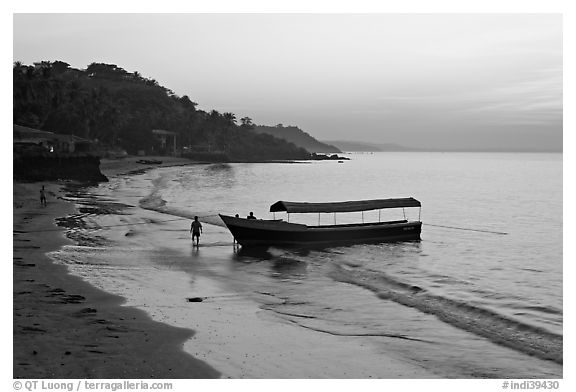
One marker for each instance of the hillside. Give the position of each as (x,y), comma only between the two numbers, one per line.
(296,136)
(115,108)
(353,146)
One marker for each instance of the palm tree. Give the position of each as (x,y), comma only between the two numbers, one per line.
(230,118)
(246,122)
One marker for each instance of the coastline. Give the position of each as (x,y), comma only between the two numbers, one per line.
(65,328)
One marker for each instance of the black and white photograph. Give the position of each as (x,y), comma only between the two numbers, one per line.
(287,195)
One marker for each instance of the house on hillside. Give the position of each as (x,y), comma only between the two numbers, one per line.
(72,143)
(167,141)
(31,139)
(41,156)
(28,137)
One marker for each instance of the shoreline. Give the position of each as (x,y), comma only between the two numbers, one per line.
(236,329)
(236,333)
(63,327)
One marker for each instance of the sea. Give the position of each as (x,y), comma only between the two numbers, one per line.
(480,295)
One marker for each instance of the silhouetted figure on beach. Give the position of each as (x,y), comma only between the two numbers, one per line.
(43,196)
(251,216)
(196,229)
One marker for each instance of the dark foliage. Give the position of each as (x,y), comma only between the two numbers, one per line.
(117,108)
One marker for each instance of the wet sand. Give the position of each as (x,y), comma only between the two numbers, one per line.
(66,328)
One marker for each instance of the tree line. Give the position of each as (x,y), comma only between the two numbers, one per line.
(116,108)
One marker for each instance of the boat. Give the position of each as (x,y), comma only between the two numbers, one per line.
(278,232)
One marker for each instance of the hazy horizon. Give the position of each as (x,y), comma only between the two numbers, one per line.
(419,80)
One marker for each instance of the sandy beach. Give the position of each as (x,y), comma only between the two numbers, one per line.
(66,328)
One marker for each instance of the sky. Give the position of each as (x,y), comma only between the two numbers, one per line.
(482,81)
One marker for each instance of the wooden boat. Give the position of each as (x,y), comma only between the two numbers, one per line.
(259,232)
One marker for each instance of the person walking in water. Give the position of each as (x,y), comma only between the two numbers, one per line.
(196,229)
(234,242)
(43,196)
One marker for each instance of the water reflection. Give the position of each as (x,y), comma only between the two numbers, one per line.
(220,168)
(281,263)
(287,268)
(250,254)
(222,174)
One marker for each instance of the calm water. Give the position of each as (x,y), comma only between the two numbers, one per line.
(483,300)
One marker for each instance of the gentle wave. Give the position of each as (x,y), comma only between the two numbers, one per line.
(486,323)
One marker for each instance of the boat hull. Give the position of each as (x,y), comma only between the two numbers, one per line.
(275,232)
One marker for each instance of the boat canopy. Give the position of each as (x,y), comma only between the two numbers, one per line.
(344,206)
